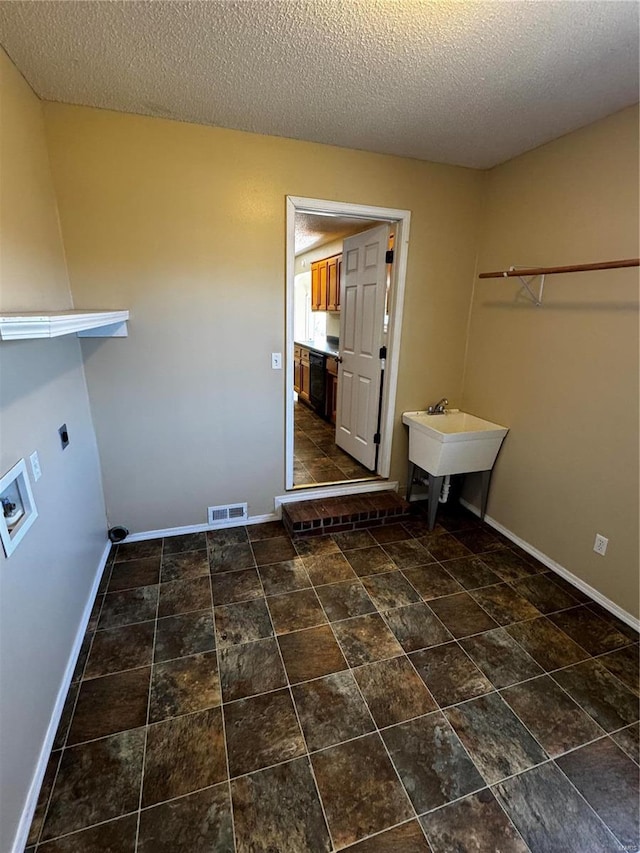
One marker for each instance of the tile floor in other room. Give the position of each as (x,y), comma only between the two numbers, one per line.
(316,456)
(383,690)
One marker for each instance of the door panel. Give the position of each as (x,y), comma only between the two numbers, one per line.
(345,396)
(367,321)
(348,321)
(364,397)
(362,297)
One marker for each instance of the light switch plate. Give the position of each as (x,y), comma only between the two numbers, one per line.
(35,466)
(276,361)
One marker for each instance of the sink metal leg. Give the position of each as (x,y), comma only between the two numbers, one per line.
(486,480)
(411,472)
(435,487)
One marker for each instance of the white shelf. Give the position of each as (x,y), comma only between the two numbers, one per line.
(24,325)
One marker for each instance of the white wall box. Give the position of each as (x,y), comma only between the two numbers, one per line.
(18,507)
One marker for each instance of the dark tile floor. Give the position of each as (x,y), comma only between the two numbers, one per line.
(384,690)
(316,456)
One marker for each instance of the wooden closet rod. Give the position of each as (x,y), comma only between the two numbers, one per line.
(604,265)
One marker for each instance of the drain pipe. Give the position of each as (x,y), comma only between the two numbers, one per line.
(444,491)
(446,486)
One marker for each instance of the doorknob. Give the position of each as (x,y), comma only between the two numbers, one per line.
(338,358)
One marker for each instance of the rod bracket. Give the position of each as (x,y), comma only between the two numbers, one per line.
(526,282)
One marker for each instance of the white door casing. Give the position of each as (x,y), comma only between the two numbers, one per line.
(362,300)
(401,220)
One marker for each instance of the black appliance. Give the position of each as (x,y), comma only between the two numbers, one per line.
(317,382)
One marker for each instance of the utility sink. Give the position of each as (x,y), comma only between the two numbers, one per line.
(453,442)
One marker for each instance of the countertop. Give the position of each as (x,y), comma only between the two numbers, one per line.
(325,346)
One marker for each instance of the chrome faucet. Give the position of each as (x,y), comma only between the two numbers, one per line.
(439,408)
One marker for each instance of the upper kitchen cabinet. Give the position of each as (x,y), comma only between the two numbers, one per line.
(319,285)
(325,284)
(333,283)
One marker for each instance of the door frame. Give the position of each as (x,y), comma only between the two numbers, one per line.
(402,221)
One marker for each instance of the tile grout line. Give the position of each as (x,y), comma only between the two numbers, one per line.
(295,710)
(75,703)
(222,715)
(146,728)
(578,703)
(48,803)
(612,674)
(560,669)
(590,807)
(636,760)
(550,759)
(438,707)
(83,828)
(376,727)
(473,793)
(380,832)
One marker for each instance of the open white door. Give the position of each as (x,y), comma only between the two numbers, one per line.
(362,299)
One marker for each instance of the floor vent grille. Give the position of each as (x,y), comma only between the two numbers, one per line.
(220,516)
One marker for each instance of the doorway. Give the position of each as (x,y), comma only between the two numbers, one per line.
(339,431)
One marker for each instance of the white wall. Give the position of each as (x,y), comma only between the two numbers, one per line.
(45,583)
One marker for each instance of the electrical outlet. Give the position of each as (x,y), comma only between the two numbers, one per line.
(600,545)
(276,361)
(35,466)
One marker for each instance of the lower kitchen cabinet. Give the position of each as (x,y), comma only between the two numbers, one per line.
(303,374)
(296,369)
(332,389)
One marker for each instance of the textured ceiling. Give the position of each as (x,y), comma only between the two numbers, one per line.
(469,83)
(313,229)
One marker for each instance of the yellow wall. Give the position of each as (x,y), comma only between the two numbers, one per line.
(185,226)
(564,377)
(45,584)
(34,274)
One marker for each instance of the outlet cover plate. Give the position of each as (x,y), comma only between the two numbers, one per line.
(35,466)
(600,545)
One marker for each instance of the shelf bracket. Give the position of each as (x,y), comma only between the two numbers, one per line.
(526,282)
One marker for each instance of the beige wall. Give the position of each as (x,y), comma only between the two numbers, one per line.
(45,583)
(564,377)
(185,226)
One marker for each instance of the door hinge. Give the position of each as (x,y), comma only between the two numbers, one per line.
(383,352)
(376,438)
(388,258)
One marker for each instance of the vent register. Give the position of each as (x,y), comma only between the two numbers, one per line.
(218,516)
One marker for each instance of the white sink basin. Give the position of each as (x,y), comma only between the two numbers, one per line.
(452,443)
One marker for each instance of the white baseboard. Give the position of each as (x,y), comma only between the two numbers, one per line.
(304,494)
(200,528)
(31,801)
(547,561)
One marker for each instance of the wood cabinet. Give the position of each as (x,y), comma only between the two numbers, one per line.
(315,286)
(325,284)
(333,284)
(301,374)
(332,389)
(296,368)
